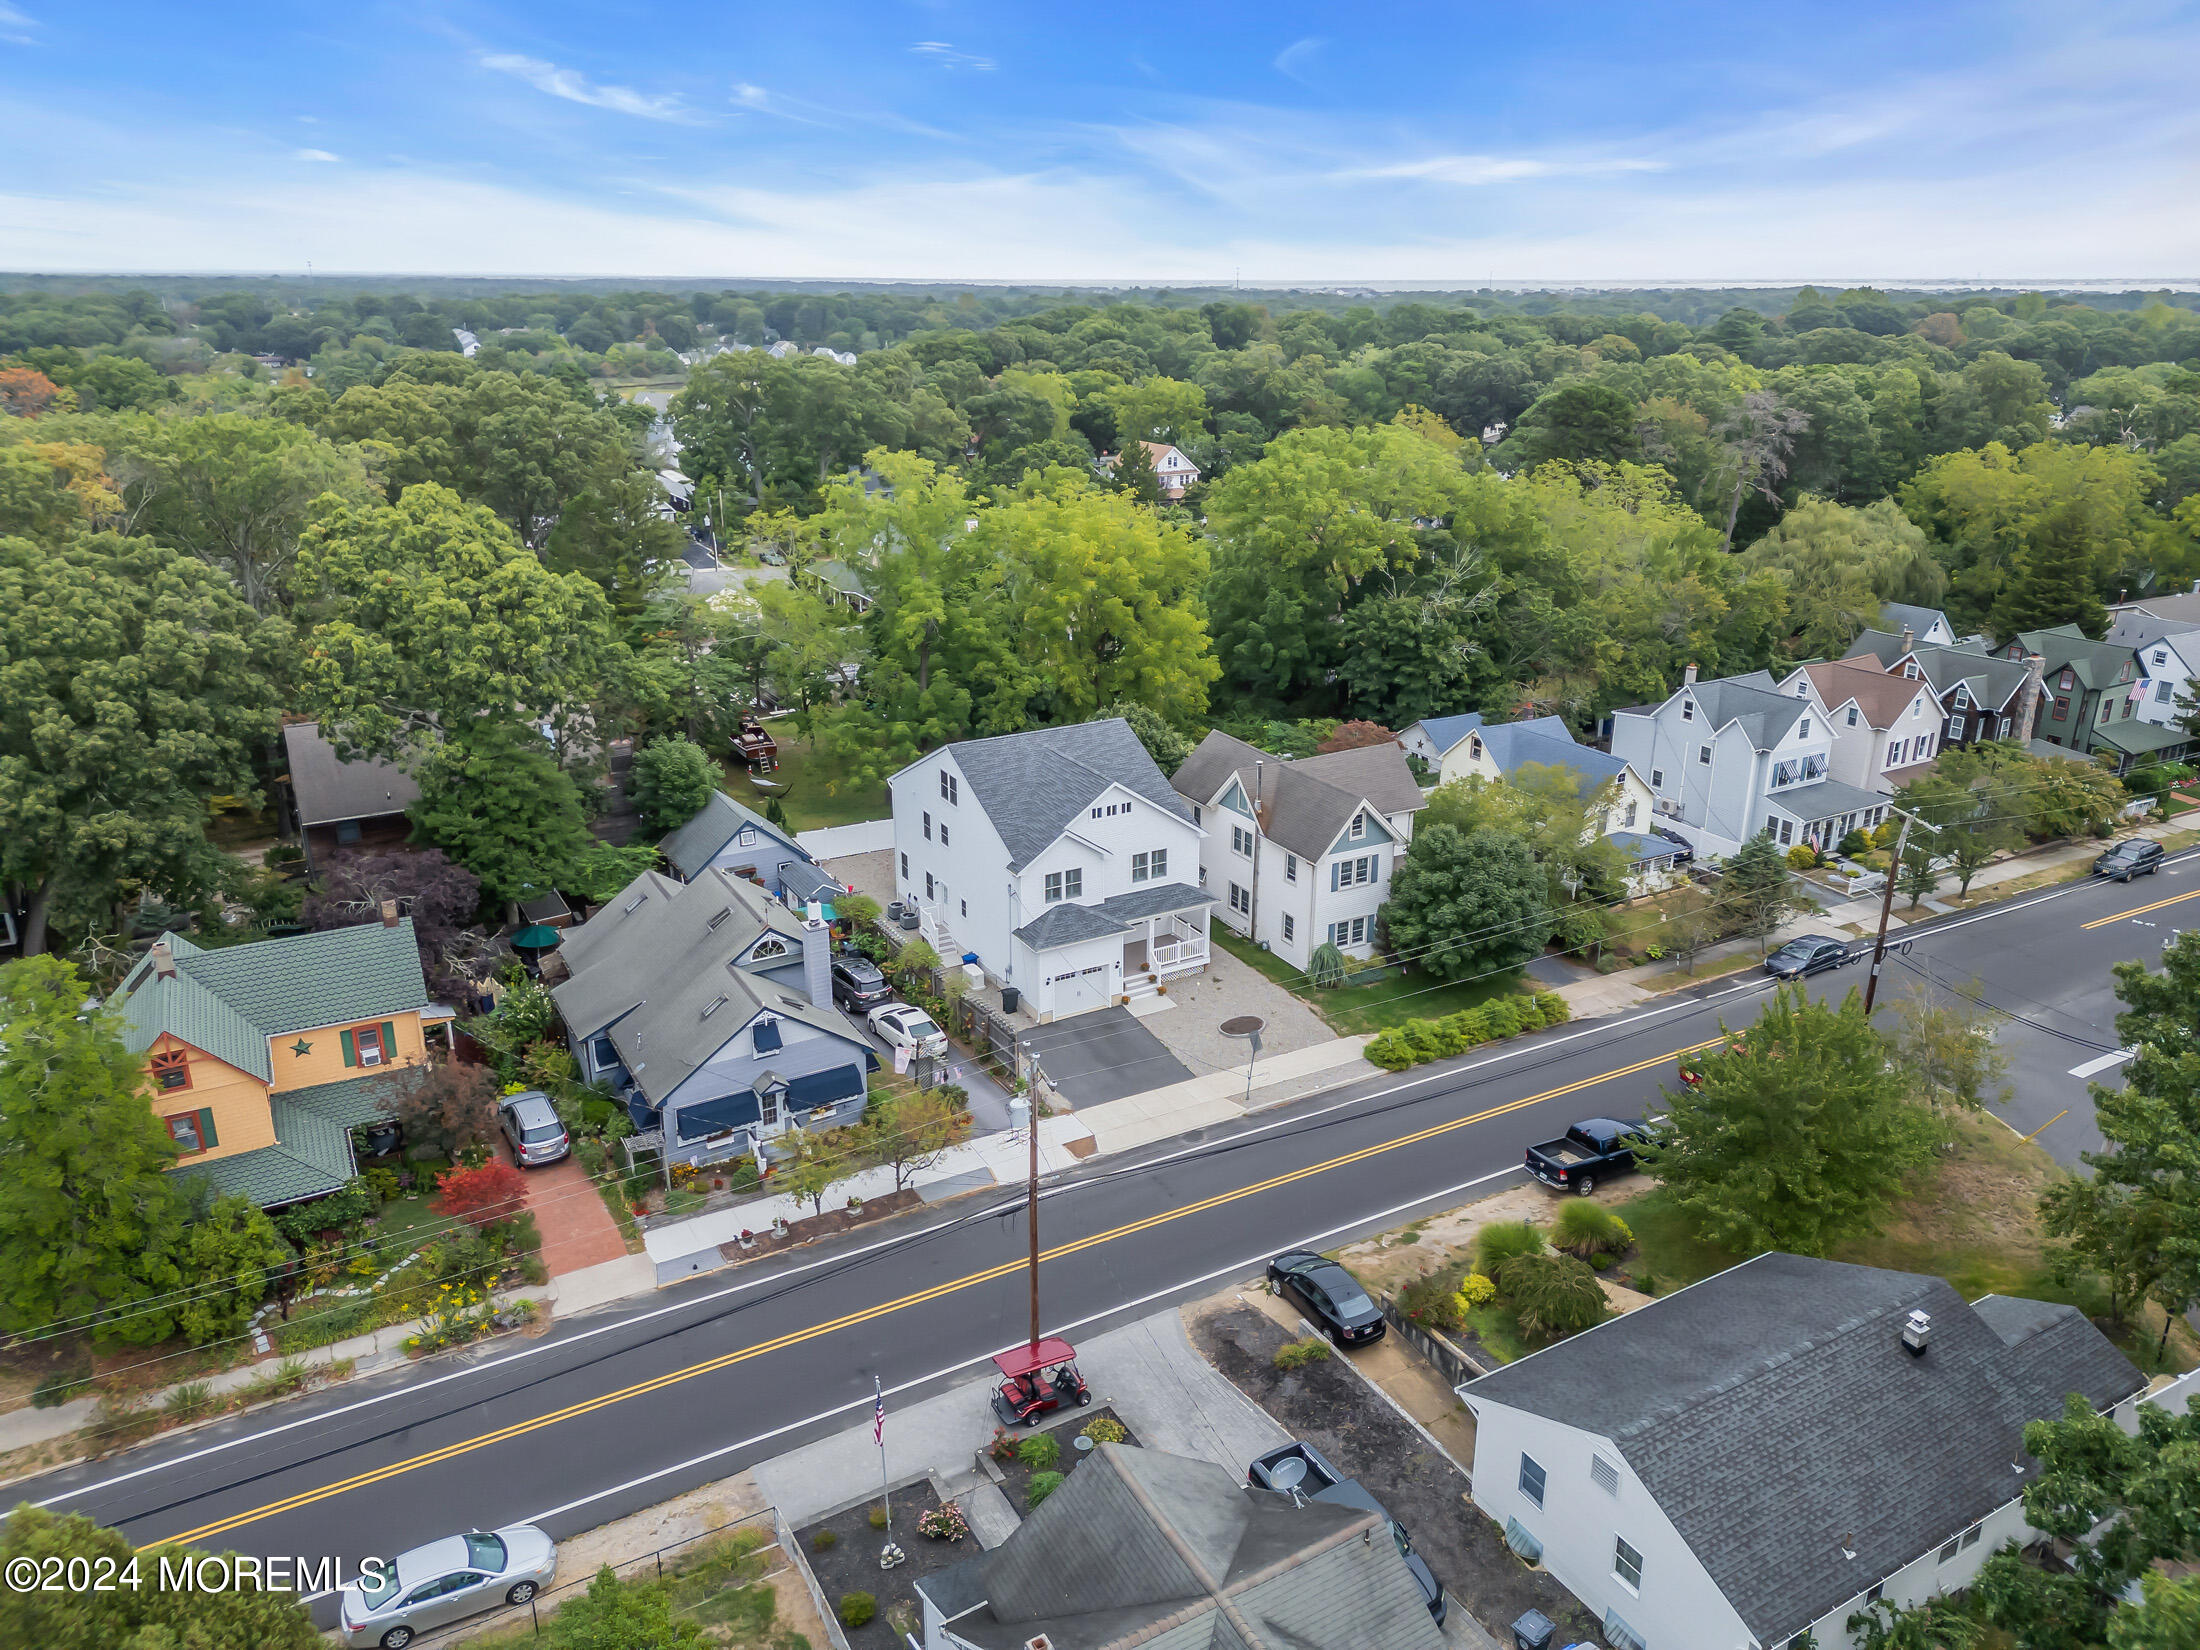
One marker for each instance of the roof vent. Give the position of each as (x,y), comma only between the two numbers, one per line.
(633,905)
(1917,1333)
(723,913)
(713,1006)
(1038,1641)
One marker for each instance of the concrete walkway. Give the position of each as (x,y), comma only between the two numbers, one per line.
(1217,1097)
(1148,1373)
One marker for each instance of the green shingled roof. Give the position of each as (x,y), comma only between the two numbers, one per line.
(312,1156)
(228,1002)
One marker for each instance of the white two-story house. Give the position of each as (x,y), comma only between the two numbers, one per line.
(1730,759)
(1059,860)
(1762,1455)
(1887,728)
(2168,651)
(1300,853)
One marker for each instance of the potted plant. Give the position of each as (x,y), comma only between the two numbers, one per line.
(779,1226)
(748,1238)
(855,1205)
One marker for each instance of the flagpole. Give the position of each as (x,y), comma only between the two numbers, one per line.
(889,1555)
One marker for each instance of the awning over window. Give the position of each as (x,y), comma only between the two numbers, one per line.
(823,1088)
(767,1036)
(710,1117)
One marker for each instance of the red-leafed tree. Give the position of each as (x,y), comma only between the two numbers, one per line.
(441,898)
(1350,736)
(480,1197)
(25,391)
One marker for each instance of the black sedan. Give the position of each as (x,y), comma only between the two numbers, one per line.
(1809,955)
(1330,1294)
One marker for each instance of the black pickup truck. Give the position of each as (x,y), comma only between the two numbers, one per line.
(1593,1150)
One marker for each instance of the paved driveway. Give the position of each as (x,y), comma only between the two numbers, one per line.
(1104,1055)
(1225,988)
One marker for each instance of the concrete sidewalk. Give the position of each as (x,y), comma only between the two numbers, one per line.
(1217,1097)
(1148,1373)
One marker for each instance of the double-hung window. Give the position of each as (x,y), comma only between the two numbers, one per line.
(950,788)
(1290,867)
(1290,927)
(928,826)
(1063,885)
(1241,840)
(1531,1480)
(1626,1564)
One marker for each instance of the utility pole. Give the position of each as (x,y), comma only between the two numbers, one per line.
(1028,1105)
(1886,903)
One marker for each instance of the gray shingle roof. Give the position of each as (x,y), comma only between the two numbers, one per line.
(1754,702)
(693,845)
(1304,805)
(1772,1413)
(1826,799)
(1060,925)
(650,973)
(1157,1550)
(1152,901)
(1548,741)
(1033,785)
(1993,680)
(1920,620)
(329,789)
(228,1002)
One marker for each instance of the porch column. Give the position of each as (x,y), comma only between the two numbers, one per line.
(1153,965)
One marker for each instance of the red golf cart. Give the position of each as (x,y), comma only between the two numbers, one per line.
(1037,1380)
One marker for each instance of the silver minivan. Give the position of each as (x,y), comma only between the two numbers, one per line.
(530,1123)
(395,1600)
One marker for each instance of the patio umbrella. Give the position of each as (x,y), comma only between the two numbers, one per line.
(535,937)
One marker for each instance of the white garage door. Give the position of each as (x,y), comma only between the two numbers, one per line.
(1080,993)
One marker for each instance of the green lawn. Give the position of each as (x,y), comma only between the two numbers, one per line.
(1351,1010)
(818,791)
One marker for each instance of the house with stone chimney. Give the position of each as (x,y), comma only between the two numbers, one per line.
(1983,695)
(707,1008)
(1756,1458)
(2091,696)
(261,1059)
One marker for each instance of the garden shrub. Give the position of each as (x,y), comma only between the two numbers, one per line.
(823,1540)
(1501,1241)
(1003,1446)
(1552,1295)
(1417,1041)
(1298,1354)
(878,1518)
(1389,1050)
(1802,857)
(1475,1290)
(1103,1430)
(856,1608)
(1856,842)
(1431,1300)
(1584,1229)
(944,1522)
(58,1388)
(1039,1452)
(1042,1485)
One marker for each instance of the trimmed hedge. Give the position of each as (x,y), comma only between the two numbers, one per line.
(1419,1041)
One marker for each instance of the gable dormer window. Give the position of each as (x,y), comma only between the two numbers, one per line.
(1909,669)
(1688,710)
(769,948)
(1358,828)
(171,1069)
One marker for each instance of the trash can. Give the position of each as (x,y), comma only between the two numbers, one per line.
(1010,998)
(1534,1631)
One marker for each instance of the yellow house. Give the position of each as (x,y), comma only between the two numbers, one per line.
(262,1058)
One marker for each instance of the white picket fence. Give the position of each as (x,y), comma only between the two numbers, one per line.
(870,836)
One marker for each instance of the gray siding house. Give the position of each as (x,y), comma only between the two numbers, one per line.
(731,837)
(706,1006)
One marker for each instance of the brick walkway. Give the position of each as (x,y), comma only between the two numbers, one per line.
(577,1230)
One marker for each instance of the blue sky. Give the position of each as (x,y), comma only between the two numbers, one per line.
(1456,144)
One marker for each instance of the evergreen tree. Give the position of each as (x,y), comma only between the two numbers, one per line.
(1465,904)
(1134,473)
(88,1219)
(2052,585)
(1755,888)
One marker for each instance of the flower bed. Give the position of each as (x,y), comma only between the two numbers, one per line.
(842,1552)
(1017,1471)
(764,1241)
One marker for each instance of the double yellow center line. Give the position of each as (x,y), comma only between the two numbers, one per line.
(517,1429)
(2140,910)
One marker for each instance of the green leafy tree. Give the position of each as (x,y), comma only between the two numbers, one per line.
(234,489)
(2168,1618)
(612,535)
(1168,748)
(908,1134)
(145,1617)
(623,1615)
(428,612)
(498,804)
(670,782)
(819,1163)
(230,1257)
(1757,438)
(1468,903)
(1937,1624)
(1756,890)
(134,685)
(1797,1140)
(1134,474)
(1943,1037)
(1576,422)
(88,1218)
(1842,566)
(1920,872)
(2141,1486)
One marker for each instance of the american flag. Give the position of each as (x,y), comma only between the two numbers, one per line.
(878,1415)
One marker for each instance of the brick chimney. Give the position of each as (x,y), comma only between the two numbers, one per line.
(389,913)
(1688,676)
(2028,697)
(164,959)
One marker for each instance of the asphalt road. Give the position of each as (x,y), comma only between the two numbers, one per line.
(622,1409)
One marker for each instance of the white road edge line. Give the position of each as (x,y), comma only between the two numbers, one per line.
(2093,1068)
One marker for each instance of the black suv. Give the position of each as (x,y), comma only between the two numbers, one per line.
(2136,858)
(858,985)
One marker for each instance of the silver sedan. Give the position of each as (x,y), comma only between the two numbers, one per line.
(397,1599)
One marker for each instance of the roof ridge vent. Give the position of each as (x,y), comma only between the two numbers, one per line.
(713,1006)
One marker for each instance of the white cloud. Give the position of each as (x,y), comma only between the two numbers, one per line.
(1296,59)
(16,26)
(314,155)
(1475,170)
(575,87)
(948,57)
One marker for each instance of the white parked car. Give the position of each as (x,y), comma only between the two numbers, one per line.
(900,1026)
(395,1600)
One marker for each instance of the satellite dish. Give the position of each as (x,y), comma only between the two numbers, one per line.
(1287,1474)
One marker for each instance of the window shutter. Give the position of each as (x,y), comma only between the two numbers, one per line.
(208,1136)
(389,1042)
(351,1049)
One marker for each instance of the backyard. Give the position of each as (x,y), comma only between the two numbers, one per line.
(1390,995)
(817,790)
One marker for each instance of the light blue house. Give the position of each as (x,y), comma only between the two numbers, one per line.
(734,838)
(707,1008)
